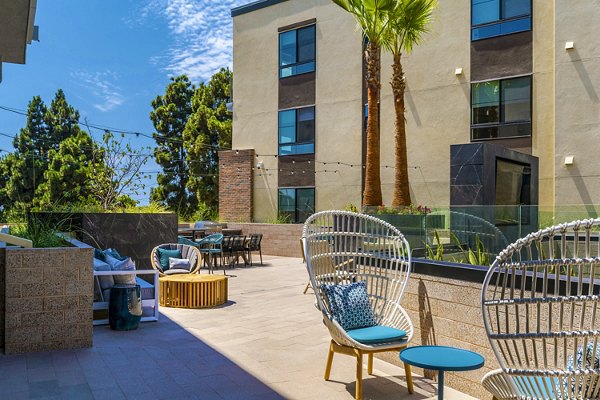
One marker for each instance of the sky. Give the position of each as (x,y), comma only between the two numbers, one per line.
(113,57)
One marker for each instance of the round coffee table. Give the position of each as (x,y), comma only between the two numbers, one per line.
(442,358)
(192,290)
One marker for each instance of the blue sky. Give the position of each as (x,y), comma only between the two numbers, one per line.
(112,58)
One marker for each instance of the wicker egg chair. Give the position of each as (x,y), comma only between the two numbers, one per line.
(187,251)
(342,247)
(540,310)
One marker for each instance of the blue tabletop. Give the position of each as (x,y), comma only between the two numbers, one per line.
(442,358)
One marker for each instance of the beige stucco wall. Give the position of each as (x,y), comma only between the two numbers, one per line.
(577,115)
(437,106)
(338,99)
(543,98)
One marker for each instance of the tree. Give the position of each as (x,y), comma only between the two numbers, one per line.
(409,21)
(29,161)
(68,179)
(372,17)
(169,116)
(118,172)
(208,129)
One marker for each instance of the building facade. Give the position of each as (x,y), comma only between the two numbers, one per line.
(518,74)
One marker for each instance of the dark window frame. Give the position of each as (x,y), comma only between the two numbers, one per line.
(501,21)
(297,218)
(500,112)
(296,127)
(296,64)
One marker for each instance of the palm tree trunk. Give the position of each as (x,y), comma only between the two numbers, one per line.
(401,189)
(372,193)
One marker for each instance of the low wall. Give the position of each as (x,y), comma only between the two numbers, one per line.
(278,239)
(48,299)
(446,311)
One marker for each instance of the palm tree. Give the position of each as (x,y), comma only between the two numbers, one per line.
(372,18)
(409,22)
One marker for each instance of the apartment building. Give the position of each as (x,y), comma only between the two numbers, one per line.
(521,75)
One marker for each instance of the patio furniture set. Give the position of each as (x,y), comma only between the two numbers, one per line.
(175,274)
(539,300)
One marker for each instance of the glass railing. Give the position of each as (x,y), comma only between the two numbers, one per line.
(476,234)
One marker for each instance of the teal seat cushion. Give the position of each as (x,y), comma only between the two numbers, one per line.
(376,334)
(547,385)
(165,254)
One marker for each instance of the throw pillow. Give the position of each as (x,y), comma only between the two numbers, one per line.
(114,254)
(586,359)
(98,254)
(122,265)
(165,254)
(105,281)
(179,263)
(350,305)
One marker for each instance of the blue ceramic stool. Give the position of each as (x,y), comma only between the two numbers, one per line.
(442,358)
(125,307)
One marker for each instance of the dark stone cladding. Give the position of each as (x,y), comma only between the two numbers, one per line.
(256,5)
(131,234)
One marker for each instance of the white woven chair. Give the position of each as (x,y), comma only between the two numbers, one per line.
(540,308)
(342,247)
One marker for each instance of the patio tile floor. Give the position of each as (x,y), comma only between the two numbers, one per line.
(267,343)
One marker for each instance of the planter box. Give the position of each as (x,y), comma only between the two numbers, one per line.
(47,299)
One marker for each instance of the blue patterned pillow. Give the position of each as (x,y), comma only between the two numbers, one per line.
(589,360)
(350,305)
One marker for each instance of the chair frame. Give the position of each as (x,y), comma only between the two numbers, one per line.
(344,261)
(195,269)
(537,319)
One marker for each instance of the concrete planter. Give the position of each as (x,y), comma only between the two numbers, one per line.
(45,299)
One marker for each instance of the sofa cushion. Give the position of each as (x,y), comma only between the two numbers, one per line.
(107,281)
(176,271)
(376,334)
(122,265)
(179,263)
(165,254)
(350,305)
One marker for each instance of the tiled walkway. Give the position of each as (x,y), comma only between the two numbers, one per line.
(268,342)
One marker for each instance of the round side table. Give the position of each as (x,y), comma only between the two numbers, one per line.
(442,358)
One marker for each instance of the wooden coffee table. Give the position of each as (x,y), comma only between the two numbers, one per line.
(192,290)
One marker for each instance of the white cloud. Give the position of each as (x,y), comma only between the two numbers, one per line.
(201,32)
(100,84)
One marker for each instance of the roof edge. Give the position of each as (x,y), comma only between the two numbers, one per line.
(256,5)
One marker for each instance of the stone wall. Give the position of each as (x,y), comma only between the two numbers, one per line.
(447,312)
(278,239)
(236,184)
(48,299)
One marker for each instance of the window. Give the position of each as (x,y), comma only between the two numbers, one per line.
(501,109)
(490,18)
(297,50)
(297,131)
(296,204)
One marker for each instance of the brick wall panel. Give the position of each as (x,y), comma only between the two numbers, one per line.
(236,177)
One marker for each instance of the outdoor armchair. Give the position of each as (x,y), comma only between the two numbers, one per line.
(540,303)
(350,251)
(187,252)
